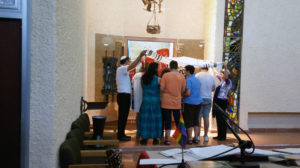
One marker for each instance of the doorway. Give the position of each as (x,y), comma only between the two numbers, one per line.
(10,90)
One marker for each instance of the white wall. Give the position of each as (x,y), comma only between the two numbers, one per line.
(270,58)
(127,17)
(181,20)
(42,98)
(58,50)
(214,29)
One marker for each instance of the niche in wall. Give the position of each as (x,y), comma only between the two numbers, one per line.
(116,46)
(106,46)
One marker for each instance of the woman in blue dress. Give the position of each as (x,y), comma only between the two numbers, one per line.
(150,118)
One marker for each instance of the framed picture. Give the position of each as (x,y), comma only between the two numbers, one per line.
(134,45)
(164,47)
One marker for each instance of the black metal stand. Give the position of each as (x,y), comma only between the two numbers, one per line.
(84,105)
(183,164)
(243,145)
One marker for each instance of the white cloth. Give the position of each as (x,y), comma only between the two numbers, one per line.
(137,91)
(183,61)
(207,83)
(123,79)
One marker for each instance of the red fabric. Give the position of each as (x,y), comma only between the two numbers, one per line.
(161,66)
(144,155)
(131,73)
(150,60)
(164,52)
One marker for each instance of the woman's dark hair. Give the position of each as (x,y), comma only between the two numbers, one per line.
(190,68)
(166,70)
(173,65)
(150,73)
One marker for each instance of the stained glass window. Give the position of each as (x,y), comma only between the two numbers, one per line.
(233,31)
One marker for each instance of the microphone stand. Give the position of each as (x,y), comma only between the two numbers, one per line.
(243,145)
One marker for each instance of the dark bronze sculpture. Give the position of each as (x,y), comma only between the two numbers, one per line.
(109,75)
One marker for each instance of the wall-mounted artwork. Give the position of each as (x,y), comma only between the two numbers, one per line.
(164,47)
(135,46)
(109,75)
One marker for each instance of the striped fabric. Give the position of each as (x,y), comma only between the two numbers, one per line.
(180,133)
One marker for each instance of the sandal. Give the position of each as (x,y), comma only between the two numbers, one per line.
(155,141)
(195,141)
(144,141)
(167,142)
(190,142)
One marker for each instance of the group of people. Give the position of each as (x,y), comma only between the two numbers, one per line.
(157,98)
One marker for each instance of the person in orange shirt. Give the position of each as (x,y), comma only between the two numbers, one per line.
(172,86)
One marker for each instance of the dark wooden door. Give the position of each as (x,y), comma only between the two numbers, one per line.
(10,91)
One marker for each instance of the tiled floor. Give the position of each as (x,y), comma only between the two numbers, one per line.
(262,139)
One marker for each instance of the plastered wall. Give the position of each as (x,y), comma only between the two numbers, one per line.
(57,54)
(270,61)
(214,29)
(42,97)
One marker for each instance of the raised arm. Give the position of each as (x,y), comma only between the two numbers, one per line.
(226,74)
(214,71)
(137,60)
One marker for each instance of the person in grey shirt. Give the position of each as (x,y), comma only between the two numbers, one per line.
(208,85)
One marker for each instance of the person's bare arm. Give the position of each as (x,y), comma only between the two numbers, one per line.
(186,93)
(214,71)
(162,88)
(226,75)
(183,85)
(162,84)
(136,61)
(213,88)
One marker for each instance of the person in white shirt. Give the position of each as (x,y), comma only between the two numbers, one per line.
(124,92)
(208,85)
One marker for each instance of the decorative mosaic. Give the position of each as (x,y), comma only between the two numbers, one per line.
(233,33)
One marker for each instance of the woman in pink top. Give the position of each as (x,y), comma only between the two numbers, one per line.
(172,86)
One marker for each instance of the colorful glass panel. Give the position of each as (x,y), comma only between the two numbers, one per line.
(233,28)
